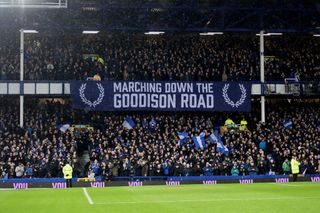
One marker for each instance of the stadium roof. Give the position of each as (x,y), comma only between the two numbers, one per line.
(171,16)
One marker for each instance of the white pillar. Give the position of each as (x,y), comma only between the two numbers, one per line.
(263,110)
(21,75)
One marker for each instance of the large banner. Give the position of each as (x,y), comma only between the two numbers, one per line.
(161,96)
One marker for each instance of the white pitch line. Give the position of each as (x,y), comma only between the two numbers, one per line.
(285,184)
(213,200)
(87,196)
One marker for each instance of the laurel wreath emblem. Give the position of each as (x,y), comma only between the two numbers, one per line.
(88,102)
(229,101)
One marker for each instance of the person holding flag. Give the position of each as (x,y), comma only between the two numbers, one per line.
(199,141)
(287,124)
(128,123)
(183,137)
(215,138)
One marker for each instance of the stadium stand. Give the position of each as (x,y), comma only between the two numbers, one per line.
(159,106)
(151,148)
(126,56)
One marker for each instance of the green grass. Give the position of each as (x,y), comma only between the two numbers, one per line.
(258,197)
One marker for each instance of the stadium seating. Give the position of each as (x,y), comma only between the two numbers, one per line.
(98,144)
(151,148)
(124,56)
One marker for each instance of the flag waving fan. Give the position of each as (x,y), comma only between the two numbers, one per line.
(128,123)
(215,137)
(199,141)
(183,137)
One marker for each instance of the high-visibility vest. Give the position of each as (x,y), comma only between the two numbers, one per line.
(295,166)
(229,122)
(67,171)
(243,123)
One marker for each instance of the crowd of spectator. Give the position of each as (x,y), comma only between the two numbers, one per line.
(125,56)
(151,148)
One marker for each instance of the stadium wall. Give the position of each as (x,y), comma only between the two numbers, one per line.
(138,181)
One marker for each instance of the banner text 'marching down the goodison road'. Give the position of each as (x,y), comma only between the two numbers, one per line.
(161,95)
(157,95)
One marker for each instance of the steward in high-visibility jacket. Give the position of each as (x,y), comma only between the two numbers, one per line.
(67,171)
(295,168)
(243,124)
(229,123)
(67,174)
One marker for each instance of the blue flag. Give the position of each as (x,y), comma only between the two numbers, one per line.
(220,147)
(183,137)
(128,123)
(287,124)
(199,141)
(152,125)
(212,138)
(63,127)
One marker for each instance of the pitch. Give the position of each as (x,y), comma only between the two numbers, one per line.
(265,197)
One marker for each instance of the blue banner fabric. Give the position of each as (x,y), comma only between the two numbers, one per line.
(161,96)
